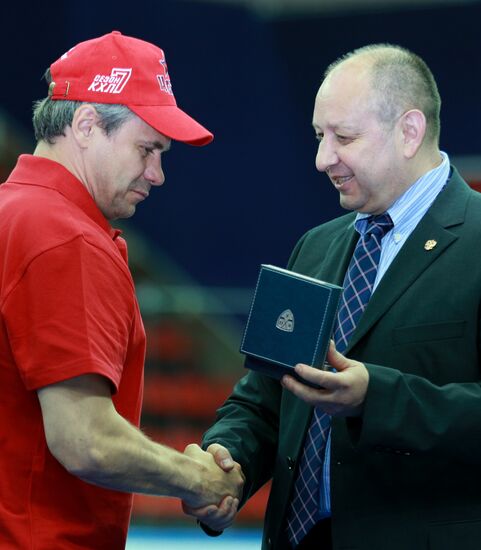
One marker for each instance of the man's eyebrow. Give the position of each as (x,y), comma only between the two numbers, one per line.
(158,145)
(345,126)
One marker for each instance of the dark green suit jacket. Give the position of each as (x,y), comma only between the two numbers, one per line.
(406,475)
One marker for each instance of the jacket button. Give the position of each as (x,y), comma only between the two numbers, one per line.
(290,462)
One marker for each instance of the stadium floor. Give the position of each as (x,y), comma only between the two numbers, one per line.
(149,538)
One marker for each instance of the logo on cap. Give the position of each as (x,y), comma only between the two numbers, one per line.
(164,79)
(110,84)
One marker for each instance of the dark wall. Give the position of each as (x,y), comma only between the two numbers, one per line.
(250,195)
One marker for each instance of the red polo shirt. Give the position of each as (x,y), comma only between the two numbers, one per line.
(68,307)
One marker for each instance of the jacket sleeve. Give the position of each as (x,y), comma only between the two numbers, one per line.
(247,424)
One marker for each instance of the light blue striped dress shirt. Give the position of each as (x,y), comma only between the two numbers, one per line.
(406,212)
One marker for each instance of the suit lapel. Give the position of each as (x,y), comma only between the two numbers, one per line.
(447,211)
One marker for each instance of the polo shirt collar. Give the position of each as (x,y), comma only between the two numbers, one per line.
(42,172)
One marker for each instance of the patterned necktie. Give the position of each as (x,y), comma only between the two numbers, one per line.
(360,278)
(307,507)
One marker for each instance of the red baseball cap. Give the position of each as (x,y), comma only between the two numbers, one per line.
(127,71)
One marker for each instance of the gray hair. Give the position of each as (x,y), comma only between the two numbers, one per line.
(51,117)
(401,80)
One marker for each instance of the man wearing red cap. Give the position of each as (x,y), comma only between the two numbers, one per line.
(72,343)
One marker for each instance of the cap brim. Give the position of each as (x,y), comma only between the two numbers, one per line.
(172,122)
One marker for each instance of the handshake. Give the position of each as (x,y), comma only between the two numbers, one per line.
(216,492)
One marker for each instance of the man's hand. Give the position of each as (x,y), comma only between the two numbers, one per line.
(218,518)
(341,393)
(215,483)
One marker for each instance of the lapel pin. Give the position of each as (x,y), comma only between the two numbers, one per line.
(429,245)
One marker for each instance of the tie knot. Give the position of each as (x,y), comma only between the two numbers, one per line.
(379,225)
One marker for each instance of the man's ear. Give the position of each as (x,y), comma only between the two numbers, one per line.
(413,128)
(84,124)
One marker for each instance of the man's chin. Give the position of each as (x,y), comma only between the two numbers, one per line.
(121,215)
(348,203)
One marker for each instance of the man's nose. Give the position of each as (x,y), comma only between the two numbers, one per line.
(326,155)
(154,173)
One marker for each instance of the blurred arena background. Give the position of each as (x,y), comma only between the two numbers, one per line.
(248,70)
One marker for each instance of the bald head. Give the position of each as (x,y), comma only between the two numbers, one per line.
(399,81)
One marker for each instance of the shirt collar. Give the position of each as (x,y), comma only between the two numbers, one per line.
(42,172)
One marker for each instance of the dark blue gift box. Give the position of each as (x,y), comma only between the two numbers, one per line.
(290,321)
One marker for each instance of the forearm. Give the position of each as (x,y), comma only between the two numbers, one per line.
(91,440)
(124,459)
